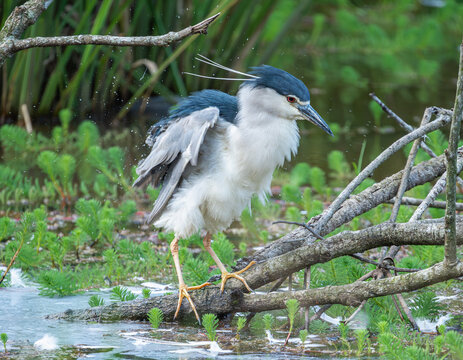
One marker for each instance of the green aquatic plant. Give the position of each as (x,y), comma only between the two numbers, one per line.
(7,227)
(155,317)
(268,320)
(454,342)
(96,300)
(240,323)
(223,248)
(426,305)
(317,179)
(119,293)
(291,193)
(4,339)
(146,293)
(210,323)
(292,307)
(300,174)
(111,164)
(56,283)
(344,331)
(303,336)
(361,335)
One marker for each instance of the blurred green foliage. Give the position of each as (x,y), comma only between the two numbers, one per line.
(346,47)
(92,78)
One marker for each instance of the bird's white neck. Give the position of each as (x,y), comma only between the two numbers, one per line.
(262,139)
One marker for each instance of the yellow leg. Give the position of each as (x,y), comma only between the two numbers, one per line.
(225,274)
(182,288)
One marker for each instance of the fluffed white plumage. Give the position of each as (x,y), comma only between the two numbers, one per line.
(236,161)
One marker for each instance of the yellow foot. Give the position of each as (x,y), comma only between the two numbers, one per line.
(183,292)
(236,275)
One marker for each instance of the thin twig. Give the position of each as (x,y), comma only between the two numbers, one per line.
(308,227)
(408,166)
(349,319)
(409,128)
(388,267)
(307,277)
(13,259)
(406,200)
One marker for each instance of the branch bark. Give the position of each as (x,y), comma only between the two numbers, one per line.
(210,299)
(28,13)
(356,205)
(348,242)
(452,171)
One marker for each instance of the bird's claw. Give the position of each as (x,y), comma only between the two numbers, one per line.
(226,275)
(183,292)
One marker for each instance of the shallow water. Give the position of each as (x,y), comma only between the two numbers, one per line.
(22,313)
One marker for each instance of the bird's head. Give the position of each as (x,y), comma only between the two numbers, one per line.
(278,92)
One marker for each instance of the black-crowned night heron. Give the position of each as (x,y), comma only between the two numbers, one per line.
(215,151)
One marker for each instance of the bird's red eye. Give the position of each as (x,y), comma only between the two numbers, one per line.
(291,99)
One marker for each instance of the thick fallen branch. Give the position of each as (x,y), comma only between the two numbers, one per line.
(211,300)
(356,205)
(28,13)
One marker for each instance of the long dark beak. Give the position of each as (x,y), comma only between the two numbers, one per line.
(309,113)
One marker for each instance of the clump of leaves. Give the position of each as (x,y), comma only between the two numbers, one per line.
(425,305)
(344,330)
(4,338)
(146,293)
(240,325)
(120,293)
(268,320)
(56,283)
(454,342)
(361,336)
(155,317)
(95,300)
(292,307)
(210,323)
(303,336)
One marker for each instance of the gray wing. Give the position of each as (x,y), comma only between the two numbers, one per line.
(173,149)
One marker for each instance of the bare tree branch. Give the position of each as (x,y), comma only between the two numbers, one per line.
(451,156)
(354,206)
(27,14)
(442,119)
(210,299)
(406,200)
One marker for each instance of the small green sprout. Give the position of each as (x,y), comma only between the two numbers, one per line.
(344,330)
(155,317)
(210,323)
(303,336)
(362,336)
(95,300)
(4,338)
(292,306)
(268,321)
(119,293)
(239,326)
(146,293)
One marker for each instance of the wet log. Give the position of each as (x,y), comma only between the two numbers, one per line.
(210,299)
